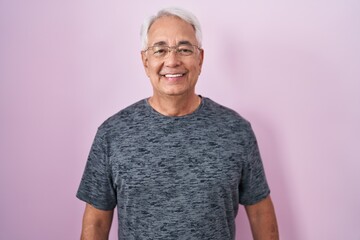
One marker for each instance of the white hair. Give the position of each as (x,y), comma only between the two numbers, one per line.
(173,11)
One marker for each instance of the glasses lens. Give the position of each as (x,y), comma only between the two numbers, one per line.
(160,51)
(185,50)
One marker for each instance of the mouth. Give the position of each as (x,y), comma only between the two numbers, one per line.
(173,75)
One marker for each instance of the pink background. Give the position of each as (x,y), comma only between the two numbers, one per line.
(290,67)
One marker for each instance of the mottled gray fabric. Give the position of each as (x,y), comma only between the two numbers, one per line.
(174,177)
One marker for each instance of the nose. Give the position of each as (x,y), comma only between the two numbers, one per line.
(172,59)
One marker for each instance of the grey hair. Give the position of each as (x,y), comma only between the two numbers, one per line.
(173,11)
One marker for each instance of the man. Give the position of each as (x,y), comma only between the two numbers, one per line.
(177,164)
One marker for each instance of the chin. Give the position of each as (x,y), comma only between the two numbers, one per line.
(177,91)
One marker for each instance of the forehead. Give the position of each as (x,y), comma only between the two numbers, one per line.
(171,30)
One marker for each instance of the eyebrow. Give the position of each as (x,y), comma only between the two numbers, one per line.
(184,43)
(163,43)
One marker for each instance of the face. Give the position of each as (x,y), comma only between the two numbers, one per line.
(173,75)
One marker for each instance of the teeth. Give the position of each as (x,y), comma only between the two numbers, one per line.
(173,75)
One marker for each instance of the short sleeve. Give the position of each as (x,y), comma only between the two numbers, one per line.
(253,186)
(96,186)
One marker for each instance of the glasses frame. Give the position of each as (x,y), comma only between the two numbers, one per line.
(171,48)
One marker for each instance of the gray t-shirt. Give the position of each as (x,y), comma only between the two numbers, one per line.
(174,177)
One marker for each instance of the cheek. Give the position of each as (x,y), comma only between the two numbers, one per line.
(154,68)
(196,70)
(195,67)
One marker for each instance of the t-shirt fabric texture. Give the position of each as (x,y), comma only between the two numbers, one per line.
(174,177)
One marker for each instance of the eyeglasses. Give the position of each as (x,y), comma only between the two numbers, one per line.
(162,51)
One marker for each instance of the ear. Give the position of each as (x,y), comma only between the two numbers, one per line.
(145,60)
(201,59)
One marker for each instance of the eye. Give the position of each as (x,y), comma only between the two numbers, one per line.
(185,50)
(158,51)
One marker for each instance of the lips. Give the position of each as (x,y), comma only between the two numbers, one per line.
(174,75)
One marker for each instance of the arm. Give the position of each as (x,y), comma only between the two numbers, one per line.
(263,220)
(96,223)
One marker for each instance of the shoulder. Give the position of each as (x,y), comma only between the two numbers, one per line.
(222,113)
(124,117)
(228,125)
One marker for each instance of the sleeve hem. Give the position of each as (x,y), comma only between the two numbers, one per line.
(256,200)
(95,204)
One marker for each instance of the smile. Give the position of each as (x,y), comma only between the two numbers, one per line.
(175,75)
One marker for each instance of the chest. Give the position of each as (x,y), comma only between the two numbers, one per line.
(176,158)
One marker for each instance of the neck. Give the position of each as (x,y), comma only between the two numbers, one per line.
(175,106)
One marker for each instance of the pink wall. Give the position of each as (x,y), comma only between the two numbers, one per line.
(290,67)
